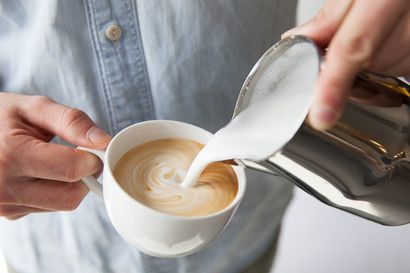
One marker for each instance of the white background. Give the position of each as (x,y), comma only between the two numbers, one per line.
(319,239)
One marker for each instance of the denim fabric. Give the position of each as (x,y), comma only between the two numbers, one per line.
(176,59)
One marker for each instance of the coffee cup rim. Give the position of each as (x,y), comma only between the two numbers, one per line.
(239,172)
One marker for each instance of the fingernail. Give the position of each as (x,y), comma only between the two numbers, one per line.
(96,135)
(93,164)
(290,32)
(322,117)
(286,34)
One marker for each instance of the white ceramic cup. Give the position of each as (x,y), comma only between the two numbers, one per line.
(153,232)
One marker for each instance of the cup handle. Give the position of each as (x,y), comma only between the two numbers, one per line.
(90,181)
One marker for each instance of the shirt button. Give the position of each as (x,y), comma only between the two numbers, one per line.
(113,32)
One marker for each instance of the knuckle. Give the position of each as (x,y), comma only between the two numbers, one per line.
(356,49)
(321,16)
(325,22)
(72,116)
(40,101)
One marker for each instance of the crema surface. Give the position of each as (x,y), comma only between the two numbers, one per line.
(152,173)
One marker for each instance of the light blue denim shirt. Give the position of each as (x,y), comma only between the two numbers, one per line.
(176,59)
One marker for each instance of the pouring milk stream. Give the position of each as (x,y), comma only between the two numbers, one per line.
(279,104)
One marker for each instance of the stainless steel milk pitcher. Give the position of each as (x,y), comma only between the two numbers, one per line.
(362,164)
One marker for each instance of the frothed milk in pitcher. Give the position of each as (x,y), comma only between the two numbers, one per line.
(279,105)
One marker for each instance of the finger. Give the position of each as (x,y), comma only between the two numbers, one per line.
(401,68)
(376,97)
(13,212)
(359,36)
(395,47)
(323,26)
(39,159)
(70,124)
(27,129)
(46,194)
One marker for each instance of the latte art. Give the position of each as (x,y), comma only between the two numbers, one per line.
(152,172)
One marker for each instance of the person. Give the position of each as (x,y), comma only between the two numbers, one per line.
(72,70)
(77,72)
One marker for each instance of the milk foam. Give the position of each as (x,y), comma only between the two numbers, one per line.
(152,173)
(279,105)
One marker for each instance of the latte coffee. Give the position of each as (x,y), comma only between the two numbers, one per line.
(152,172)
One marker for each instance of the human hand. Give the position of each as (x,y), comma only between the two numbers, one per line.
(371,34)
(37,176)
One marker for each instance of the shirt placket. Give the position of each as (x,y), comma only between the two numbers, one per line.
(119,51)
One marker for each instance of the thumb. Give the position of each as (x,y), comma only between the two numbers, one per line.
(71,124)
